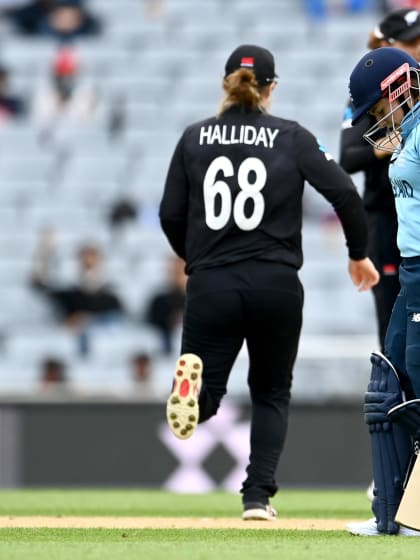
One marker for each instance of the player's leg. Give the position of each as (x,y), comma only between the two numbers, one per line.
(391,449)
(392,381)
(407,415)
(385,294)
(410,280)
(391,445)
(393,506)
(386,257)
(211,340)
(273,324)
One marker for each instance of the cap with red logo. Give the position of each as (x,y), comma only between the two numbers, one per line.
(258,59)
(66,62)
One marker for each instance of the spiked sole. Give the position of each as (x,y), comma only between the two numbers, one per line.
(182,405)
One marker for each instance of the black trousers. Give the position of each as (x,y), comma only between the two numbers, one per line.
(259,302)
(385,255)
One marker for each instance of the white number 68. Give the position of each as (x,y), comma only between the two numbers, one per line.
(213,188)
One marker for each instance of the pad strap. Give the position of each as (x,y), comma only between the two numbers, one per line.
(407,415)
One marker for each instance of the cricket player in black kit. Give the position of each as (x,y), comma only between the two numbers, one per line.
(232,208)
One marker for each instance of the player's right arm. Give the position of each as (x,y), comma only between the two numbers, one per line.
(173,211)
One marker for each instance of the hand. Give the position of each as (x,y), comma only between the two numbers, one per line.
(363,274)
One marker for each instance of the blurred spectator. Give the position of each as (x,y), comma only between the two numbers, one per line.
(60,19)
(391,5)
(28,16)
(144,377)
(89,302)
(53,378)
(141,364)
(11,105)
(65,99)
(154,9)
(320,9)
(117,116)
(69,19)
(141,382)
(53,371)
(165,308)
(123,211)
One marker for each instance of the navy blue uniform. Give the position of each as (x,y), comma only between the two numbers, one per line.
(357,155)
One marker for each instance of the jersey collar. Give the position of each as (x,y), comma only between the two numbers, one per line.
(410,121)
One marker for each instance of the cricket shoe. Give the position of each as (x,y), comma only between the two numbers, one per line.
(258,512)
(369,529)
(182,410)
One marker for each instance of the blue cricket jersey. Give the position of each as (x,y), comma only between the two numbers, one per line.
(404,174)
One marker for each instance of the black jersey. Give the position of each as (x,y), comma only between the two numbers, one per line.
(357,155)
(234,191)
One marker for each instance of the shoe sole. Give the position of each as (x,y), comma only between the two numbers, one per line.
(363,529)
(257,515)
(367,533)
(182,405)
(358,531)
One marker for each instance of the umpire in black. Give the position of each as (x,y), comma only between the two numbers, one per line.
(232,208)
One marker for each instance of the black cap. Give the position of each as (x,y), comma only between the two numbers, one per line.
(258,59)
(401,25)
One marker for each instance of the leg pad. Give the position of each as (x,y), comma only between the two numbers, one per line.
(407,415)
(391,445)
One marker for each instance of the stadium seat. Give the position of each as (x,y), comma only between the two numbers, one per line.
(155,76)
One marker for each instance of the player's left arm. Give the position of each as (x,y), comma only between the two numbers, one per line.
(335,185)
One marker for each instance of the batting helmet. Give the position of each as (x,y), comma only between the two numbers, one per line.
(369,73)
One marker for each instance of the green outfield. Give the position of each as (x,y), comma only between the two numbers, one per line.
(64,542)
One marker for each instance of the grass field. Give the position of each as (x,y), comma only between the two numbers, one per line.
(195,544)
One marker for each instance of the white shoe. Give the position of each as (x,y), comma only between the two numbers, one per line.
(406,532)
(182,405)
(369,529)
(259,512)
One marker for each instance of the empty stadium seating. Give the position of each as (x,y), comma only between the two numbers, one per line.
(157,75)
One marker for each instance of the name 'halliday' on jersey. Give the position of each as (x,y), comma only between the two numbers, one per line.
(243,134)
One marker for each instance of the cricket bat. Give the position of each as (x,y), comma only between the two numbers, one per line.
(408,513)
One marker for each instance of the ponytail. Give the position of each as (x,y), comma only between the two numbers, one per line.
(375,42)
(241,88)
